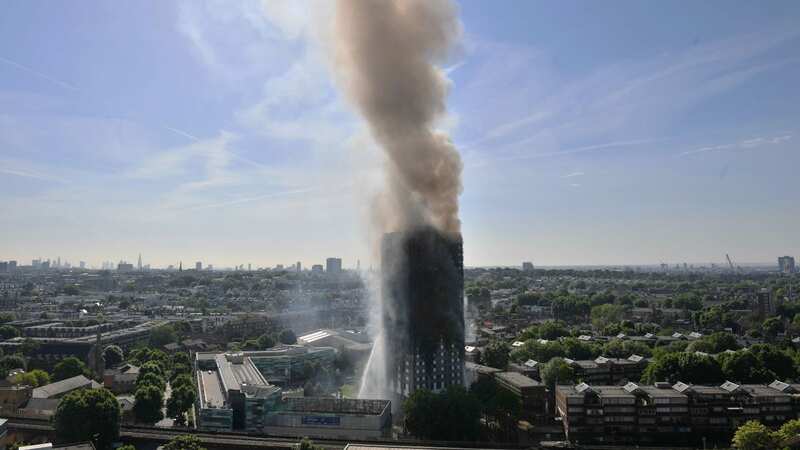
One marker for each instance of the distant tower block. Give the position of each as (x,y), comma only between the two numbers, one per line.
(198,266)
(423,310)
(527,266)
(333,265)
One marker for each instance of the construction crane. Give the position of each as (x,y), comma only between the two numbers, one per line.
(730,263)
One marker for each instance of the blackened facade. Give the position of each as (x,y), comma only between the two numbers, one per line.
(423,310)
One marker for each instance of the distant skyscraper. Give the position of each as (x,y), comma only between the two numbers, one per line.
(333,265)
(124,266)
(12,266)
(764,304)
(527,266)
(786,264)
(139,264)
(423,310)
(298,267)
(249,267)
(82,264)
(198,266)
(316,268)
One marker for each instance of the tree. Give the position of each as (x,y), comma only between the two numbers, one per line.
(181,400)
(151,379)
(753,435)
(577,349)
(771,327)
(148,402)
(8,332)
(113,356)
(715,343)
(686,367)
(775,360)
(184,442)
(68,368)
(11,362)
(744,367)
(163,335)
(181,358)
(307,444)
(496,355)
(88,415)
(688,301)
(450,415)
(183,379)
(34,378)
(557,371)
(266,341)
(535,350)
(552,329)
(151,367)
(789,430)
(603,315)
(287,336)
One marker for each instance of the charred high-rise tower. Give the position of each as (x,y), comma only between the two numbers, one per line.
(423,310)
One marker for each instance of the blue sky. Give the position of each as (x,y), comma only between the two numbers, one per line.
(591,133)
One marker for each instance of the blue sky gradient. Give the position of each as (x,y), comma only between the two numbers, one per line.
(591,133)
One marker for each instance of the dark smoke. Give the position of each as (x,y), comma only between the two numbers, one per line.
(386,51)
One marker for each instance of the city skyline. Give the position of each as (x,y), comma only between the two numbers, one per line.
(219,135)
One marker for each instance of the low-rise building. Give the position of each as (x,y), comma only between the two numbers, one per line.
(63,387)
(120,380)
(677,414)
(610,371)
(235,395)
(532,394)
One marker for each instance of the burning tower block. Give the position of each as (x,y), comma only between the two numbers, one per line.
(423,310)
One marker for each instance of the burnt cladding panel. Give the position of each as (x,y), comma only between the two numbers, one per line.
(423,282)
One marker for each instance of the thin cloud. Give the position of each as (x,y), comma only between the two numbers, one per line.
(587,148)
(264,197)
(44,76)
(182,133)
(28,174)
(747,143)
(573,174)
(248,199)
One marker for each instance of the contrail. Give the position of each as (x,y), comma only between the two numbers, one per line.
(30,70)
(182,133)
(26,174)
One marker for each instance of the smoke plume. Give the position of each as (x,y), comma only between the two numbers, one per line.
(385,54)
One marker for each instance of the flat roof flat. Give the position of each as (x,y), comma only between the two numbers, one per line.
(211,389)
(517,379)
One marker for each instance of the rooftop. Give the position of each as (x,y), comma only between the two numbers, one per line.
(211,395)
(336,405)
(517,380)
(63,386)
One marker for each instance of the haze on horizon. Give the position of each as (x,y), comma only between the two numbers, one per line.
(214,131)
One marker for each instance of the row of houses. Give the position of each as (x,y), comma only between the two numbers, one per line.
(679,414)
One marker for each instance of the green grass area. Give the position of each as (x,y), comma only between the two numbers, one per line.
(349,391)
